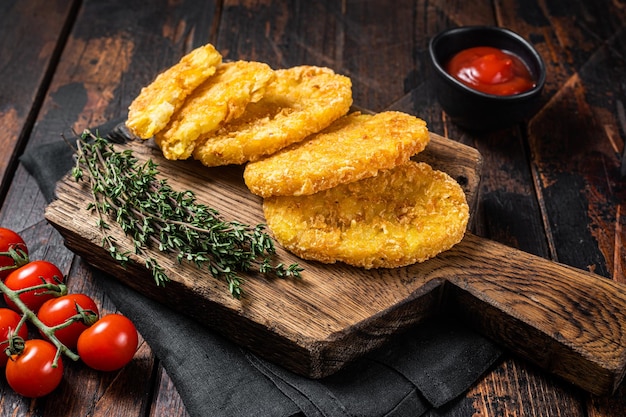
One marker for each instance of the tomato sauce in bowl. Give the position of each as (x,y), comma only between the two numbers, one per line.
(491,70)
(486,77)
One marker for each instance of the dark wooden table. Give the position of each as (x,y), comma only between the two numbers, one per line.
(551,186)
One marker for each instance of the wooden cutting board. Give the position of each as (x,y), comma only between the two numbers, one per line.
(570,322)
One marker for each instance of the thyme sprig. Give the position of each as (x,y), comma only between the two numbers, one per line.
(158,217)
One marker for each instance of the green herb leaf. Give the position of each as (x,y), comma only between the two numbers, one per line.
(157,217)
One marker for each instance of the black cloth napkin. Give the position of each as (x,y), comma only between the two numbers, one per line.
(427,367)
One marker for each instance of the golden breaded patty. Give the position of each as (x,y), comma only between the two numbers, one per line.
(354,147)
(300,101)
(220,99)
(155,104)
(402,216)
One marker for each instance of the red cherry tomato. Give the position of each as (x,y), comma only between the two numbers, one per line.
(57,311)
(9,320)
(11,241)
(31,373)
(32,274)
(109,344)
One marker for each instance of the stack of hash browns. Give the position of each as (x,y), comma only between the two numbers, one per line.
(337,186)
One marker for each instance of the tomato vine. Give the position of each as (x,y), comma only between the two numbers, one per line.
(35,292)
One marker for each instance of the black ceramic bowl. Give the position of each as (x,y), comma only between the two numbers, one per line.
(471,108)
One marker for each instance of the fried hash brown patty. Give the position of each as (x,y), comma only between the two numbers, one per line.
(220,99)
(155,104)
(300,101)
(402,216)
(354,147)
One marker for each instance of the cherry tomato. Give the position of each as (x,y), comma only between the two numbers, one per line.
(31,373)
(58,310)
(11,241)
(109,344)
(32,274)
(9,320)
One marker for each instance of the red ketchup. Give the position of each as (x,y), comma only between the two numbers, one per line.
(491,70)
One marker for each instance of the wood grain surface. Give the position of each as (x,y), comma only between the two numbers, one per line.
(567,321)
(30,57)
(313,326)
(549,187)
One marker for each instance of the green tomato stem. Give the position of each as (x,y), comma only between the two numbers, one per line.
(20,258)
(29,315)
(55,289)
(15,343)
(87,317)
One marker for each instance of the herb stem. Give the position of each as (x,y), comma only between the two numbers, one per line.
(157,217)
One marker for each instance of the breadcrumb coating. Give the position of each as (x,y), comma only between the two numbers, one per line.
(219,100)
(152,108)
(300,101)
(402,216)
(356,146)
(337,187)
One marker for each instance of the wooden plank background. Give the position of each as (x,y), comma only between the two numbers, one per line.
(570,149)
(32,55)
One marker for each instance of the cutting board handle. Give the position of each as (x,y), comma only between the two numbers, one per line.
(570,322)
